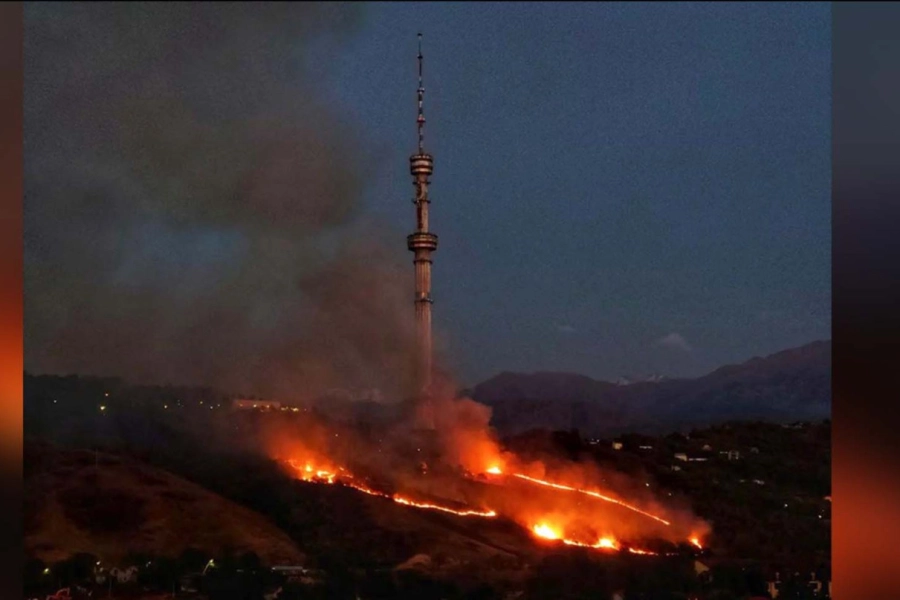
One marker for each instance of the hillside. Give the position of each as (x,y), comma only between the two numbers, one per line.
(110,506)
(789,385)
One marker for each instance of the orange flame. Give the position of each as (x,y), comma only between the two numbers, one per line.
(548,532)
(495,470)
(696,541)
(591,493)
(602,543)
(607,543)
(462,513)
(545,531)
(308,473)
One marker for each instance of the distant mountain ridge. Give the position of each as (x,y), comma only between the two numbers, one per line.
(793,384)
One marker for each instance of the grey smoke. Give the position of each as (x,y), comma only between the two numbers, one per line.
(192,203)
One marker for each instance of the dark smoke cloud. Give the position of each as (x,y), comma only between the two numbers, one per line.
(192,208)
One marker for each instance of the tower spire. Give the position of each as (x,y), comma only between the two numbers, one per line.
(420,120)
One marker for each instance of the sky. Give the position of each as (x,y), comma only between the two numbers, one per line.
(221,195)
(620,189)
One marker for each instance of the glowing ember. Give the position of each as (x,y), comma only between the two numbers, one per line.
(637,551)
(590,493)
(545,531)
(695,541)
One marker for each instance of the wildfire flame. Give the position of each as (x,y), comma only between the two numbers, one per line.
(607,543)
(560,486)
(548,532)
(602,543)
(545,531)
(308,473)
(462,513)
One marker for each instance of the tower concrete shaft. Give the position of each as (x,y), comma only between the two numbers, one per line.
(422,243)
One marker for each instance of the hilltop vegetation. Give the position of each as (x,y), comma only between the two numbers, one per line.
(110,506)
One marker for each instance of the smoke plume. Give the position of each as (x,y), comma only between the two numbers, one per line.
(192,210)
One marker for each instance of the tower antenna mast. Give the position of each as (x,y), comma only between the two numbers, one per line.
(422,243)
(420,120)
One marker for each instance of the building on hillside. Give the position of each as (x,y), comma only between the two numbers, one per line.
(731,454)
(617,445)
(645,447)
(244,404)
(707,448)
(676,468)
(681,456)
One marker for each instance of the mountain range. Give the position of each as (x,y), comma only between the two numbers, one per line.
(790,385)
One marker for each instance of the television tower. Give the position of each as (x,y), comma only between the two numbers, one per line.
(422,243)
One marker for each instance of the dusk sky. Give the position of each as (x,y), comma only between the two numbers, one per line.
(620,189)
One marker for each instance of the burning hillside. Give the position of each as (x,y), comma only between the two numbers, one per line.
(460,469)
